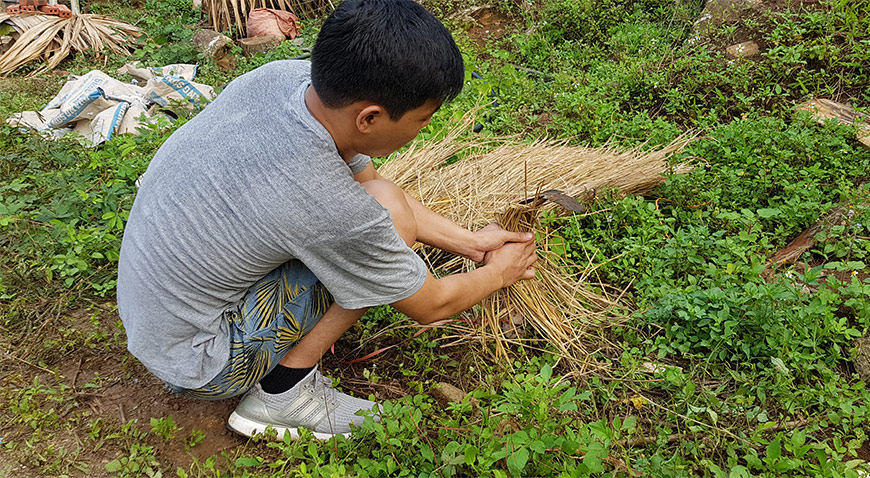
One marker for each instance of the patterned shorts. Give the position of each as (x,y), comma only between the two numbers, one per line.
(274,315)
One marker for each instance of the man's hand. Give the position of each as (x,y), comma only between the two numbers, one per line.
(514,260)
(493,237)
(449,295)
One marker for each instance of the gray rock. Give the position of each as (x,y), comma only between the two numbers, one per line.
(862,358)
(446,393)
(746,49)
(212,44)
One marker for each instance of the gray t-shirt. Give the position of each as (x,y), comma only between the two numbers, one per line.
(251,182)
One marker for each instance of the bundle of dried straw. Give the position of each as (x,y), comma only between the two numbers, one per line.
(565,302)
(498,172)
(51,38)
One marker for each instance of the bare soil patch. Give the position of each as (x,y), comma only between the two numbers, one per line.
(489,25)
(81,355)
(106,383)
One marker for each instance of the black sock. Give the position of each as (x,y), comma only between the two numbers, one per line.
(283,378)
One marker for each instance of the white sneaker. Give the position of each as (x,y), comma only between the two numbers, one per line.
(312,403)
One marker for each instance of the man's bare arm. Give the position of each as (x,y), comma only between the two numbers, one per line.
(441,298)
(442,233)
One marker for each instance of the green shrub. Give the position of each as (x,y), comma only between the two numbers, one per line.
(64,207)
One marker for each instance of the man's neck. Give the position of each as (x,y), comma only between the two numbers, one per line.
(333,121)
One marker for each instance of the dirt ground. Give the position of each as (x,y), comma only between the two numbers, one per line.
(488,24)
(106,383)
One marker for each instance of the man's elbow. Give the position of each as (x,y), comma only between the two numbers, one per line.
(428,317)
(430,304)
(431,314)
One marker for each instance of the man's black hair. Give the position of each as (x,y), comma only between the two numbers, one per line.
(391,52)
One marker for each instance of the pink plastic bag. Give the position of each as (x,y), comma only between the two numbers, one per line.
(266,22)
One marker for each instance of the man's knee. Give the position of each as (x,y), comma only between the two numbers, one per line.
(393,198)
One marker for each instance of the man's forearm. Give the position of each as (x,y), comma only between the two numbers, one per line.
(437,231)
(450,295)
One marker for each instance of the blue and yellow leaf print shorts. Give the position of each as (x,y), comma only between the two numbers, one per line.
(273,316)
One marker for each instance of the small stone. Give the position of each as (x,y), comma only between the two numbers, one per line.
(742,50)
(252,46)
(446,393)
(862,359)
(651,367)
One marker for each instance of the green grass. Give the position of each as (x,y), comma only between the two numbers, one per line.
(739,351)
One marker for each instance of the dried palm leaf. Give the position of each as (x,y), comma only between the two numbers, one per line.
(51,39)
(22,22)
(565,303)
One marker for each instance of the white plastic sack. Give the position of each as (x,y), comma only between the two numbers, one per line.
(167,88)
(144,73)
(78,86)
(82,107)
(98,106)
(103,126)
(36,120)
(136,116)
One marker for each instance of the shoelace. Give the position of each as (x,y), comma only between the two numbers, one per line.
(323,385)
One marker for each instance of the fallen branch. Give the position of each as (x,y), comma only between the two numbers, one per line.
(824,110)
(32,364)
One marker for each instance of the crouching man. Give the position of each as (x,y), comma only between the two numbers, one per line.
(261,231)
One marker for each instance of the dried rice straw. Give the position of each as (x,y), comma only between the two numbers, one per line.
(477,189)
(561,304)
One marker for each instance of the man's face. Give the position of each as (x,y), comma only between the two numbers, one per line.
(390,135)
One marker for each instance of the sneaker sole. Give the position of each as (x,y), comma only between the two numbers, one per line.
(247,427)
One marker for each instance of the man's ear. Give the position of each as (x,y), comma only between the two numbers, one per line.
(370,117)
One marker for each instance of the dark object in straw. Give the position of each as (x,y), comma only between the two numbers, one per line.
(558,197)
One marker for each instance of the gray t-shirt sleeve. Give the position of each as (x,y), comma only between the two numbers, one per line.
(358,163)
(366,266)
